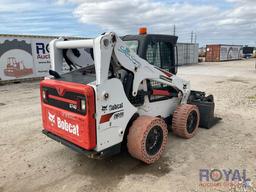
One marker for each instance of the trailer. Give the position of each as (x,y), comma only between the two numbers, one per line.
(221,52)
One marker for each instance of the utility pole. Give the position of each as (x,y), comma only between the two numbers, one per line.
(195,37)
(174,29)
(192,35)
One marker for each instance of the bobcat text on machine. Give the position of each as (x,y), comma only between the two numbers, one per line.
(129,95)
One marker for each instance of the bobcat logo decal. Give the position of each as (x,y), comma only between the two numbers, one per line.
(51,118)
(104,108)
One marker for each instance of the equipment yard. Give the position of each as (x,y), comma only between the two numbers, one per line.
(30,161)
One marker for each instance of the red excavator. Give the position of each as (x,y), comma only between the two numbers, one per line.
(16,68)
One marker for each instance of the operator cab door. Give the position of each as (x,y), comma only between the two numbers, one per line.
(161,53)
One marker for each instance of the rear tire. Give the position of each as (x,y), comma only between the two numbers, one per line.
(147,138)
(185,121)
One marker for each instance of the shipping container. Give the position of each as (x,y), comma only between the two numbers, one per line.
(219,52)
(25,56)
(187,53)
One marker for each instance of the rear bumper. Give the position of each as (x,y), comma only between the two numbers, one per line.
(89,153)
(69,144)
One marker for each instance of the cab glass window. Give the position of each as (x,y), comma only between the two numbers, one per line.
(160,54)
(153,54)
(133,45)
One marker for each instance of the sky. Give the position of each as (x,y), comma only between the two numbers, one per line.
(218,21)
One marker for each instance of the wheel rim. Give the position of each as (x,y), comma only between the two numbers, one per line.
(192,121)
(154,140)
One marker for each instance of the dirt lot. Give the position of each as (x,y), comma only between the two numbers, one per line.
(32,162)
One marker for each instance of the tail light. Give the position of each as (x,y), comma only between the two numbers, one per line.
(44,95)
(83,104)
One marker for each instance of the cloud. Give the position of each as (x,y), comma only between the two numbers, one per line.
(127,16)
(10,6)
(218,21)
(206,18)
(241,1)
(41,17)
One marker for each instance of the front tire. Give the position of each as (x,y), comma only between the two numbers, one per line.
(147,138)
(185,120)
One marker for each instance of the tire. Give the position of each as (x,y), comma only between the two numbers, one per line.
(147,138)
(185,121)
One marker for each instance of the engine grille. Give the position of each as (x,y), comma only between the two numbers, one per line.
(70,101)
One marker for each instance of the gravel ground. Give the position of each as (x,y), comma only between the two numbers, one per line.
(32,162)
